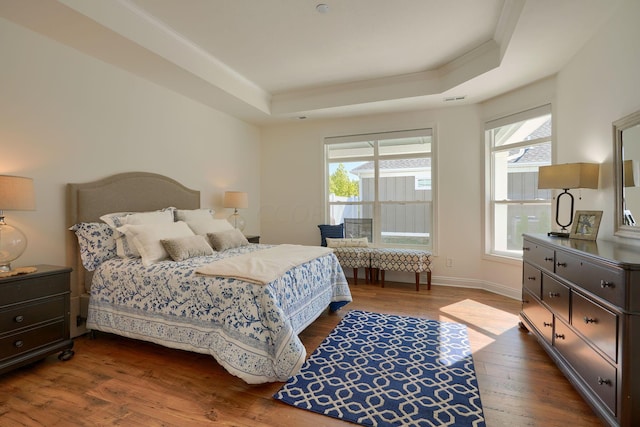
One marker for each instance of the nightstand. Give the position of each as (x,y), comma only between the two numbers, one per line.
(253,239)
(35,316)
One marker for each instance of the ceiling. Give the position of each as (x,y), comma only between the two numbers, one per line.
(269,61)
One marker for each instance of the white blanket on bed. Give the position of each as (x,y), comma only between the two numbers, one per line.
(263,266)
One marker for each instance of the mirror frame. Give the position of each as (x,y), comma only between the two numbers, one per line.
(619,228)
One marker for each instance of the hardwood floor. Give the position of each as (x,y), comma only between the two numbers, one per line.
(117,381)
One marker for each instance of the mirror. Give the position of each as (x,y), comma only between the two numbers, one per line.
(626,138)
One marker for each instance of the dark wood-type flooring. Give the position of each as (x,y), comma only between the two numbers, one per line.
(114,381)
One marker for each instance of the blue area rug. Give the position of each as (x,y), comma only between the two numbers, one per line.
(385,370)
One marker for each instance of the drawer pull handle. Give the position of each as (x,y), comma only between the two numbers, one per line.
(604,381)
(588,320)
(18,343)
(561,264)
(548,259)
(560,336)
(554,294)
(18,319)
(532,278)
(605,284)
(526,248)
(547,324)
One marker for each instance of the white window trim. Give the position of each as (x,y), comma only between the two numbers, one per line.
(431,130)
(487,216)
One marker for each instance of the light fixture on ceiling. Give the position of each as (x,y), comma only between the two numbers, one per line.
(454,98)
(322,8)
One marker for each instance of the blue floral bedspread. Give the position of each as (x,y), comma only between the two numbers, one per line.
(251,330)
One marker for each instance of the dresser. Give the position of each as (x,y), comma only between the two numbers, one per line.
(581,299)
(34,317)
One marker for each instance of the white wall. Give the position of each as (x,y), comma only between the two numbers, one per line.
(596,87)
(67,117)
(293,187)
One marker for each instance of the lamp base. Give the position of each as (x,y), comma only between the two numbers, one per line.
(558,234)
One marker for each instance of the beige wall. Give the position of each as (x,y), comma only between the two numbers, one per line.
(67,117)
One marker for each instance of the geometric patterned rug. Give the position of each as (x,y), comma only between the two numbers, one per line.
(386,370)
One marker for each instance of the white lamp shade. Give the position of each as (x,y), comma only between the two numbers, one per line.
(16,193)
(569,175)
(236,200)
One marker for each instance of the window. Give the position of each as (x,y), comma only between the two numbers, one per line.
(517,145)
(387,178)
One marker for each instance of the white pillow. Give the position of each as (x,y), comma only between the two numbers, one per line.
(193,215)
(362,242)
(210,225)
(147,238)
(125,248)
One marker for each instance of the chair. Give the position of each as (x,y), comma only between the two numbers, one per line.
(359,227)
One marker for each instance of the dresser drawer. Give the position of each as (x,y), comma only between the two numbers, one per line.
(30,339)
(538,315)
(596,372)
(23,290)
(531,279)
(596,323)
(25,315)
(608,282)
(538,255)
(556,295)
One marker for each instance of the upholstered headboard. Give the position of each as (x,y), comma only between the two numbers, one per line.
(125,192)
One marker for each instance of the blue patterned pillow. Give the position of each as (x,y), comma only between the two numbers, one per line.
(332,231)
(97,243)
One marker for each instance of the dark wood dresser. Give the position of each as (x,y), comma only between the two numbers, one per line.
(34,316)
(581,300)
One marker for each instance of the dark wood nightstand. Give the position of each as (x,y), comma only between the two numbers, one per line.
(35,316)
(253,239)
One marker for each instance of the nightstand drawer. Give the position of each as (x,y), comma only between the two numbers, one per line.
(23,342)
(23,290)
(25,315)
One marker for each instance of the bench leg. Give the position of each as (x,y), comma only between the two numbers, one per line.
(429,280)
(367,274)
(417,282)
(355,276)
(382,277)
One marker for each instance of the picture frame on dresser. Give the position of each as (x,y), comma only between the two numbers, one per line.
(586,225)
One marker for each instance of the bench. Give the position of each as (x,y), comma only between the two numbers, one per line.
(411,260)
(382,259)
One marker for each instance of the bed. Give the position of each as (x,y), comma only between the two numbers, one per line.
(250,328)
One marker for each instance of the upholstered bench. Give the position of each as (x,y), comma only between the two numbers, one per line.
(412,260)
(354,257)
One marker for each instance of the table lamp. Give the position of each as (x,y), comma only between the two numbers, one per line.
(16,194)
(236,200)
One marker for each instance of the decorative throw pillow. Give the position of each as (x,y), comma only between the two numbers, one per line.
(181,248)
(361,242)
(125,248)
(228,239)
(97,243)
(211,225)
(333,231)
(147,237)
